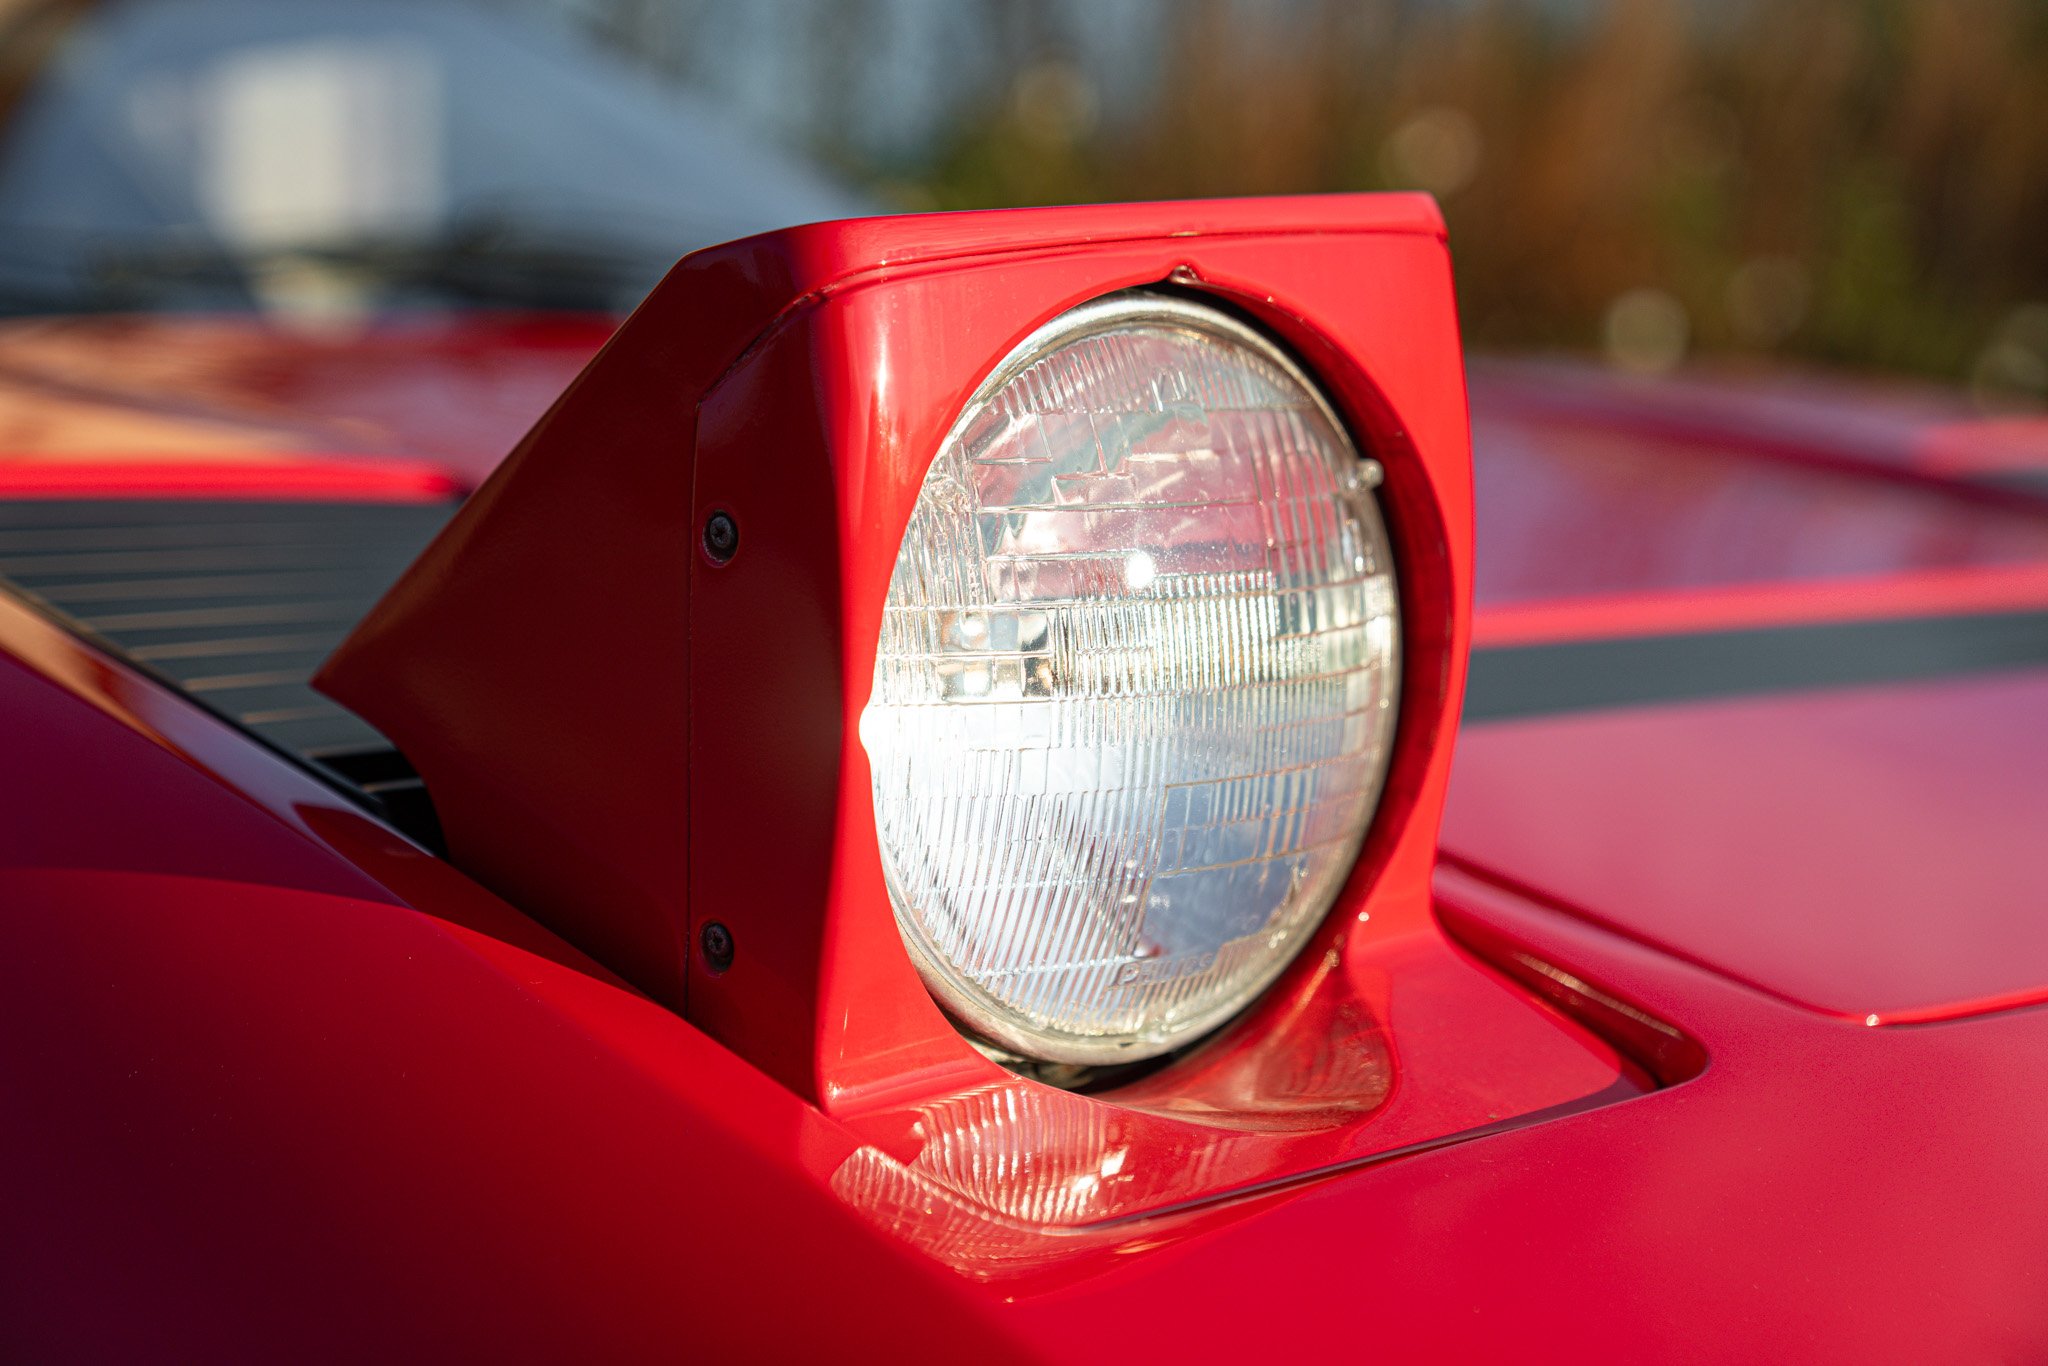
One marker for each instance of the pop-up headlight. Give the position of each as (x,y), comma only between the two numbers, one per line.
(1136,684)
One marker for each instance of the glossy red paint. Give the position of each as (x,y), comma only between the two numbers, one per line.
(261,1108)
(1870,852)
(131,776)
(284,1086)
(1917,436)
(275,1111)
(1863,850)
(1985,447)
(1576,507)
(447,393)
(292,476)
(1867,597)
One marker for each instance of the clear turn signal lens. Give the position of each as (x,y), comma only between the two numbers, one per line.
(1136,684)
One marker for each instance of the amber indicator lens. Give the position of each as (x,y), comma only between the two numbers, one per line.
(1136,683)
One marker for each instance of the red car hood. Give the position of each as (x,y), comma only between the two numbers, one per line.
(1757,683)
(230,407)
(1758,677)
(1759,663)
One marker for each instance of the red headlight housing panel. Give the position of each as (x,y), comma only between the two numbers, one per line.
(634,671)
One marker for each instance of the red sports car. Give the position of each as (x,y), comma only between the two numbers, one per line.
(1023,785)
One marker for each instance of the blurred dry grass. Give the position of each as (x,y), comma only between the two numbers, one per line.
(1850,180)
(1859,182)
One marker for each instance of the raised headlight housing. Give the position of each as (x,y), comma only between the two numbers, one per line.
(1003,585)
(1136,686)
(1006,586)
(934,654)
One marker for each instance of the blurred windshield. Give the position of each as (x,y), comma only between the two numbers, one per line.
(343,155)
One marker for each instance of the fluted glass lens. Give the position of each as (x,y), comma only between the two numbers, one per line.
(1136,684)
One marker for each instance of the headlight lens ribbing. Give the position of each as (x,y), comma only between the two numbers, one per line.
(1136,685)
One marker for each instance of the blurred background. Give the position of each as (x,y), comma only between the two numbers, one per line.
(1847,184)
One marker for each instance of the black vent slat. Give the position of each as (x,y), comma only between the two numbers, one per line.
(260,703)
(225,588)
(155,618)
(263,671)
(178,560)
(79,539)
(239,602)
(230,647)
(312,733)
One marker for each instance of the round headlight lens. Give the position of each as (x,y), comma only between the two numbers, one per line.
(1136,683)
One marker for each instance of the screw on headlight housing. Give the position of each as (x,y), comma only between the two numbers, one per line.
(716,941)
(721,537)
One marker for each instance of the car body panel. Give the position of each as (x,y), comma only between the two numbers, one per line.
(1872,851)
(273,1112)
(199,406)
(290,1086)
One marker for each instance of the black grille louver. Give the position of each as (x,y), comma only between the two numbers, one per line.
(236,603)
